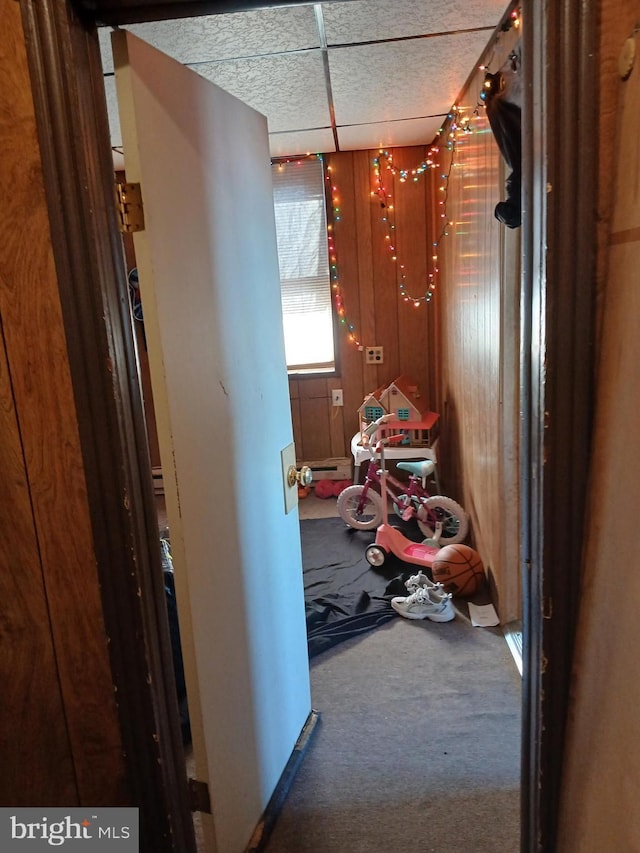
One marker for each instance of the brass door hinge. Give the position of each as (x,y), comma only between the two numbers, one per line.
(199,800)
(129,206)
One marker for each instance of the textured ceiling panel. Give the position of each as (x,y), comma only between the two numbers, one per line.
(112,109)
(280,144)
(398,91)
(369,20)
(418,131)
(303,142)
(408,79)
(214,37)
(289,89)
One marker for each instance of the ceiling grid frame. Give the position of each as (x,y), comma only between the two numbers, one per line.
(331,76)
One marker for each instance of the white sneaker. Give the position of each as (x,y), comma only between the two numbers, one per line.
(415,582)
(425,603)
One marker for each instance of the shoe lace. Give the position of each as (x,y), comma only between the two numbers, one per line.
(437,595)
(416,581)
(420,596)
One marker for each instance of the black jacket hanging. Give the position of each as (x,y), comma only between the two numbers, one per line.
(504,115)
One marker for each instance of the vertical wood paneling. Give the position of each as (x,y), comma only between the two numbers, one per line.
(478,294)
(349,269)
(370,287)
(598,809)
(33,732)
(452,346)
(435,365)
(38,364)
(295,416)
(336,422)
(366,265)
(411,243)
(314,401)
(386,298)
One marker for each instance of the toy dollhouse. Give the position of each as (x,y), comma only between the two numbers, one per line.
(403,399)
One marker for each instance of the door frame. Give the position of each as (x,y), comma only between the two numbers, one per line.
(557,352)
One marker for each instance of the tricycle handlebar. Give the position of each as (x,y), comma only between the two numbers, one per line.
(374,426)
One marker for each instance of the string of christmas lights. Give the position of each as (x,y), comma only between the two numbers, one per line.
(457,126)
(333,264)
(512,22)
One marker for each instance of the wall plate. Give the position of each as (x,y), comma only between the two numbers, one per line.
(375,355)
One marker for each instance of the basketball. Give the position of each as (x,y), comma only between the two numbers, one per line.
(459,569)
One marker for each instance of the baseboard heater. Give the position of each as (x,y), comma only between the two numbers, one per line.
(338,468)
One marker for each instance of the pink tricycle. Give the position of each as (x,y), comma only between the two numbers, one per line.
(390,540)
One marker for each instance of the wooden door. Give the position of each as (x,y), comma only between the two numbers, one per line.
(209,281)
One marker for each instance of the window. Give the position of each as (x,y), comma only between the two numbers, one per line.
(301,229)
(372,413)
(403,414)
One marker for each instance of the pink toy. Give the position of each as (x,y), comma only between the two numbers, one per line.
(390,540)
(324,489)
(340,485)
(360,506)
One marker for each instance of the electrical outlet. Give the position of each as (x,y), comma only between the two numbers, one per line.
(375,355)
(336,397)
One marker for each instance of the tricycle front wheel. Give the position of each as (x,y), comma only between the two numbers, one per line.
(375,555)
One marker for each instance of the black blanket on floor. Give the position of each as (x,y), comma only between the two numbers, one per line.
(344,595)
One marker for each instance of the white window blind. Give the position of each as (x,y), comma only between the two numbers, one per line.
(301,228)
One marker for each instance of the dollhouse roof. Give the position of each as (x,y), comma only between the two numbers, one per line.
(410,391)
(411,397)
(375,397)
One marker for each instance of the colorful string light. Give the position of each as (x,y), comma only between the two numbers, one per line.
(457,126)
(333,263)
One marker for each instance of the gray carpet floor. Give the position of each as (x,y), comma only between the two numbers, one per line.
(417,748)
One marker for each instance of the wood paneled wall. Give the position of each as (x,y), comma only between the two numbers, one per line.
(462,347)
(370,287)
(601,778)
(60,733)
(478,296)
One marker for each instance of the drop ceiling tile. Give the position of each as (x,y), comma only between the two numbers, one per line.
(112,110)
(212,37)
(369,20)
(104,37)
(409,79)
(281,144)
(417,131)
(289,88)
(301,142)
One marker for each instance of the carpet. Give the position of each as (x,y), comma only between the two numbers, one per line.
(417,749)
(344,595)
